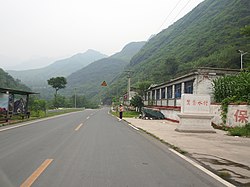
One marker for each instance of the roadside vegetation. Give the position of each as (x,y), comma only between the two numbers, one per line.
(233,89)
(127,114)
(41,108)
(240,131)
(38,115)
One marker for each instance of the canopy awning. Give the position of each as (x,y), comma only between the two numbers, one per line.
(13,91)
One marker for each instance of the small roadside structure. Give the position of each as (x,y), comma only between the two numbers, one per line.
(14,102)
(195,114)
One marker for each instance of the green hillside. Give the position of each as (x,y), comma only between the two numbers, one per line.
(208,36)
(129,51)
(37,78)
(7,81)
(88,80)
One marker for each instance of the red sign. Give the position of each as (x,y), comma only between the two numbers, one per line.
(241,116)
(104,83)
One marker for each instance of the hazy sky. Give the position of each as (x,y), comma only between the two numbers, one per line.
(62,28)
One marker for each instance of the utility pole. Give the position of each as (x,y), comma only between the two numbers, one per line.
(242,53)
(128,76)
(75,97)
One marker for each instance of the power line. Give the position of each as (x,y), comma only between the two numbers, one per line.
(181,10)
(172,12)
(169,15)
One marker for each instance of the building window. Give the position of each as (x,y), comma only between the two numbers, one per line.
(169,92)
(149,96)
(177,90)
(153,94)
(145,96)
(188,87)
(157,94)
(163,93)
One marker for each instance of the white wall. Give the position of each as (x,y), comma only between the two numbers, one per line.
(238,115)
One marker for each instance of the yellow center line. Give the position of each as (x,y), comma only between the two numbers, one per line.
(78,127)
(36,173)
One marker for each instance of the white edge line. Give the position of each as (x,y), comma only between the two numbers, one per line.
(133,127)
(34,121)
(203,169)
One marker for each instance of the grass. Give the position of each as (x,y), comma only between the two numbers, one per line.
(240,131)
(127,114)
(224,174)
(34,116)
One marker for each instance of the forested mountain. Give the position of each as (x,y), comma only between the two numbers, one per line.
(88,80)
(208,36)
(7,81)
(38,77)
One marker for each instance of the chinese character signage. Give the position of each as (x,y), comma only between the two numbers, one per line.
(195,103)
(241,116)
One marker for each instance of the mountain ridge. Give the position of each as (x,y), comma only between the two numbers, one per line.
(208,29)
(89,78)
(62,67)
(7,81)
(208,36)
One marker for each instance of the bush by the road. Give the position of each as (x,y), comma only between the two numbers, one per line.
(240,131)
(127,114)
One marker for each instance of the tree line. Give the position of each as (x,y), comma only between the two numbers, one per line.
(40,106)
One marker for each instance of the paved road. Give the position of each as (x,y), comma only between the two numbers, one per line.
(91,149)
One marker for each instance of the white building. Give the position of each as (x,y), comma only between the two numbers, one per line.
(199,81)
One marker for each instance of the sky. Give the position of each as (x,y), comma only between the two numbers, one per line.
(57,29)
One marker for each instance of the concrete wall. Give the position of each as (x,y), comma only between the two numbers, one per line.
(238,115)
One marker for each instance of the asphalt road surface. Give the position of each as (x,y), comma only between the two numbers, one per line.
(91,148)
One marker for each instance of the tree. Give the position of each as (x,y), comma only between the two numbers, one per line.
(245,30)
(57,83)
(137,101)
(38,105)
(142,87)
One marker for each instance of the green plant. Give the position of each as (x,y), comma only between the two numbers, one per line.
(57,83)
(224,107)
(236,86)
(231,89)
(240,131)
(38,106)
(224,174)
(137,101)
(127,114)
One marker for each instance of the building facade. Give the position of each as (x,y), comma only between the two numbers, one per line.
(199,81)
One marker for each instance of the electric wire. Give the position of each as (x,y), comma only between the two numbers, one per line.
(169,15)
(181,10)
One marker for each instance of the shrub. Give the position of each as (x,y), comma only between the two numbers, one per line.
(240,131)
(231,89)
(237,86)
